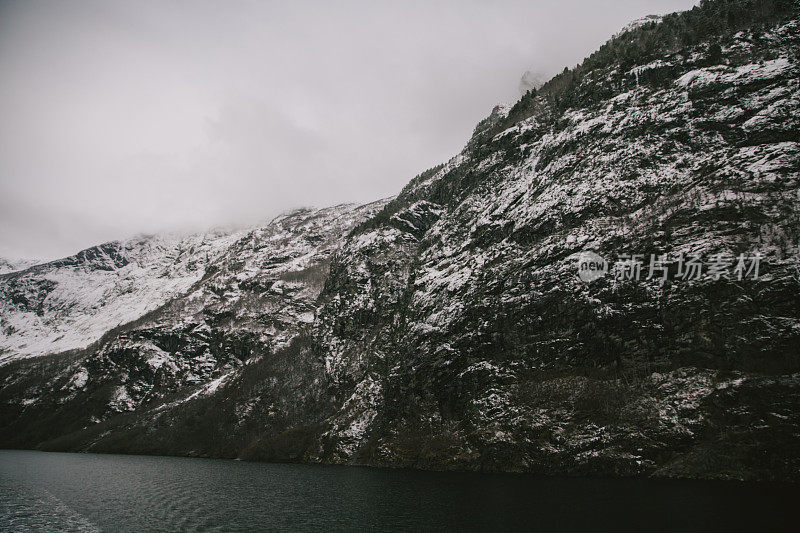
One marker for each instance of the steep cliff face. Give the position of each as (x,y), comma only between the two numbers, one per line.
(448,327)
(496,355)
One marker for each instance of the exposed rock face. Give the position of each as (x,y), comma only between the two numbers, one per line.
(448,327)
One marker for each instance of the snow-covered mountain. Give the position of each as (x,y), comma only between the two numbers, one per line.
(7,265)
(167,320)
(70,303)
(448,327)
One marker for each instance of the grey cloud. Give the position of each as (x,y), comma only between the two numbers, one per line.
(121,117)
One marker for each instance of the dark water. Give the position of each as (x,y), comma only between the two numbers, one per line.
(81,492)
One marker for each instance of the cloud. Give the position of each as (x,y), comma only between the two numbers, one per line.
(129,117)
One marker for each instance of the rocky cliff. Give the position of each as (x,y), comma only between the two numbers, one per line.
(448,327)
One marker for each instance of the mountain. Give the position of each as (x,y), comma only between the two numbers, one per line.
(451,327)
(7,265)
(70,303)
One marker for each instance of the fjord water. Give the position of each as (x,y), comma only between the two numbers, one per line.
(83,492)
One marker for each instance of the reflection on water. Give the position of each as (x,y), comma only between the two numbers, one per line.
(83,492)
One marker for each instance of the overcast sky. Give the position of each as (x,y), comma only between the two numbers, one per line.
(118,118)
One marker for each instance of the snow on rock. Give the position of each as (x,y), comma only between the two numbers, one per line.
(70,303)
(447,327)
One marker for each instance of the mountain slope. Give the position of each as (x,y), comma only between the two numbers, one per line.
(250,301)
(7,266)
(499,357)
(448,327)
(70,303)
